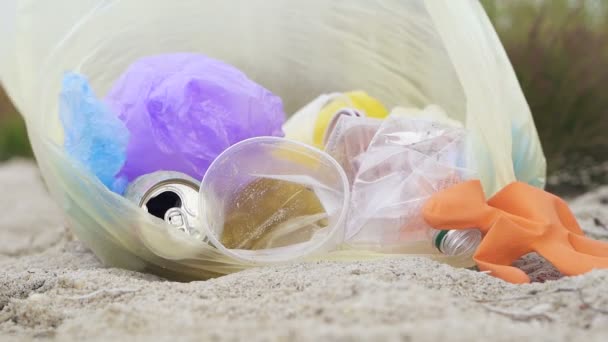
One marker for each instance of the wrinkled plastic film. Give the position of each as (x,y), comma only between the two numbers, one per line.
(184,109)
(349,140)
(407,161)
(403,32)
(512,147)
(94,135)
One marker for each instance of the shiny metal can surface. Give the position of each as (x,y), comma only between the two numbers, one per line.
(171,196)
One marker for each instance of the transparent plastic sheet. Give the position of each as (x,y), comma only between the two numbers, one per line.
(406,162)
(408,53)
(349,140)
(394,166)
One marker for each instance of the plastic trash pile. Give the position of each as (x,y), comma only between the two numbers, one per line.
(194,142)
(181,166)
(347,172)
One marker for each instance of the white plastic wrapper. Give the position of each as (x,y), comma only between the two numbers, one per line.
(406,53)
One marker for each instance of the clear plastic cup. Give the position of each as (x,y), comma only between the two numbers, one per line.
(269,199)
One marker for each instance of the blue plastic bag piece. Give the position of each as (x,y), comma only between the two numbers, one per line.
(94,136)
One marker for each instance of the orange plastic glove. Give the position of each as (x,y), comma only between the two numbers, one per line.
(518,220)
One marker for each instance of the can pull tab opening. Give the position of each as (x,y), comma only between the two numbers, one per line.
(169,206)
(159,205)
(177,218)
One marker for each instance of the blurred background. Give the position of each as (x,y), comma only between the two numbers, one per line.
(559,49)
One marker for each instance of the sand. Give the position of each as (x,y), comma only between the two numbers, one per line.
(53,288)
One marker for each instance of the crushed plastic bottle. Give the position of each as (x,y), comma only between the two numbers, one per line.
(94,136)
(397,165)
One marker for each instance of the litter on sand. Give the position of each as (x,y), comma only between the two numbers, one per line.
(210,152)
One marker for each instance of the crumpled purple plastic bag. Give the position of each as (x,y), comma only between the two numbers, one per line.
(183,110)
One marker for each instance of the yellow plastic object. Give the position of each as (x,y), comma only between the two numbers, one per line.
(360,100)
(310,123)
(409,53)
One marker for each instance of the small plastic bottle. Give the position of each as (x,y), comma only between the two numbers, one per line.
(456,242)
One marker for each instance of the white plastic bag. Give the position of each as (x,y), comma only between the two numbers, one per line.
(406,53)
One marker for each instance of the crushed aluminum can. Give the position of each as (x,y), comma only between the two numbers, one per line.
(170,196)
